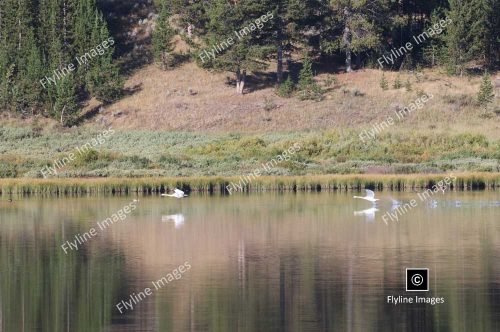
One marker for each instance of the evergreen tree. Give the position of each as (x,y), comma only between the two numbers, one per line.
(293,23)
(308,88)
(383,82)
(473,33)
(286,88)
(481,30)
(355,27)
(397,83)
(102,76)
(486,94)
(306,76)
(249,48)
(66,104)
(162,39)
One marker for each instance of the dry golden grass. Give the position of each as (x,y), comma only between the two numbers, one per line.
(165,103)
(397,182)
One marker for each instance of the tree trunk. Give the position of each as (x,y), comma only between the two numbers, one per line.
(279,71)
(240,81)
(280,64)
(348,52)
(348,59)
(62,115)
(346,39)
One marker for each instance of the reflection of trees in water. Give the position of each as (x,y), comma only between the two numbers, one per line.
(298,289)
(43,289)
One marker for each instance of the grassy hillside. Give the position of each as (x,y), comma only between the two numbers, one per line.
(191,99)
(188,122)
(133,153)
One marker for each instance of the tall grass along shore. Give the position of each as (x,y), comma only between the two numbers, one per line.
(155,185)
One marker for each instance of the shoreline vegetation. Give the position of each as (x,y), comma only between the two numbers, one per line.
(152,185)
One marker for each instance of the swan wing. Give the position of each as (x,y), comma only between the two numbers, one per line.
(179,192)
(370,193)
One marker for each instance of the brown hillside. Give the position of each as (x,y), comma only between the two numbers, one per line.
(189,98)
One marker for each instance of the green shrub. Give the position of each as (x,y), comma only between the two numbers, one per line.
(397,83)
(308,88)
(286,88)
(383,82)
(408,85)
(485,95)
(8,170)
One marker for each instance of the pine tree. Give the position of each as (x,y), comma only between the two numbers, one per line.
(307,86)
(66,102)
(306,76)
(249,49)
(397,83)
(355,27)
(473,34)
(293,22)
(162,39)
(486,93)
(481,30)
(408,85)
(286,88)
(102,76)
(383,82)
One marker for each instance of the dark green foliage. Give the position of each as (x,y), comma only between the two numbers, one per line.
(103,80)
(383,82)
(306,76)
(286,88)
(162,39)
(307,86)
(408,85)
(65,106)
(397,83)
(39,37)
(485,95)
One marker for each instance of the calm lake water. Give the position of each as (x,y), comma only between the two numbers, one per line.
(262,262)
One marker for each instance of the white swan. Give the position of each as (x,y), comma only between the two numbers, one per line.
(177,194)
(370,196)
(178,219)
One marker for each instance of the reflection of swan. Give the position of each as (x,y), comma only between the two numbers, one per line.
(395,204)
(368,213)
(177,194)
(370,196)
(178,219)
(432,204)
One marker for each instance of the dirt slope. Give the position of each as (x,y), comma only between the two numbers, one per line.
(191,99)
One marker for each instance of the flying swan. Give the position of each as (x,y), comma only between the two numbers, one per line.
(370,196)
(177,194)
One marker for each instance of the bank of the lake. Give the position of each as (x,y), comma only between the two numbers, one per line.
(70,186)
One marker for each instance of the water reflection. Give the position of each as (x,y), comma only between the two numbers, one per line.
(177,219)
(369,214)
(296,262)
